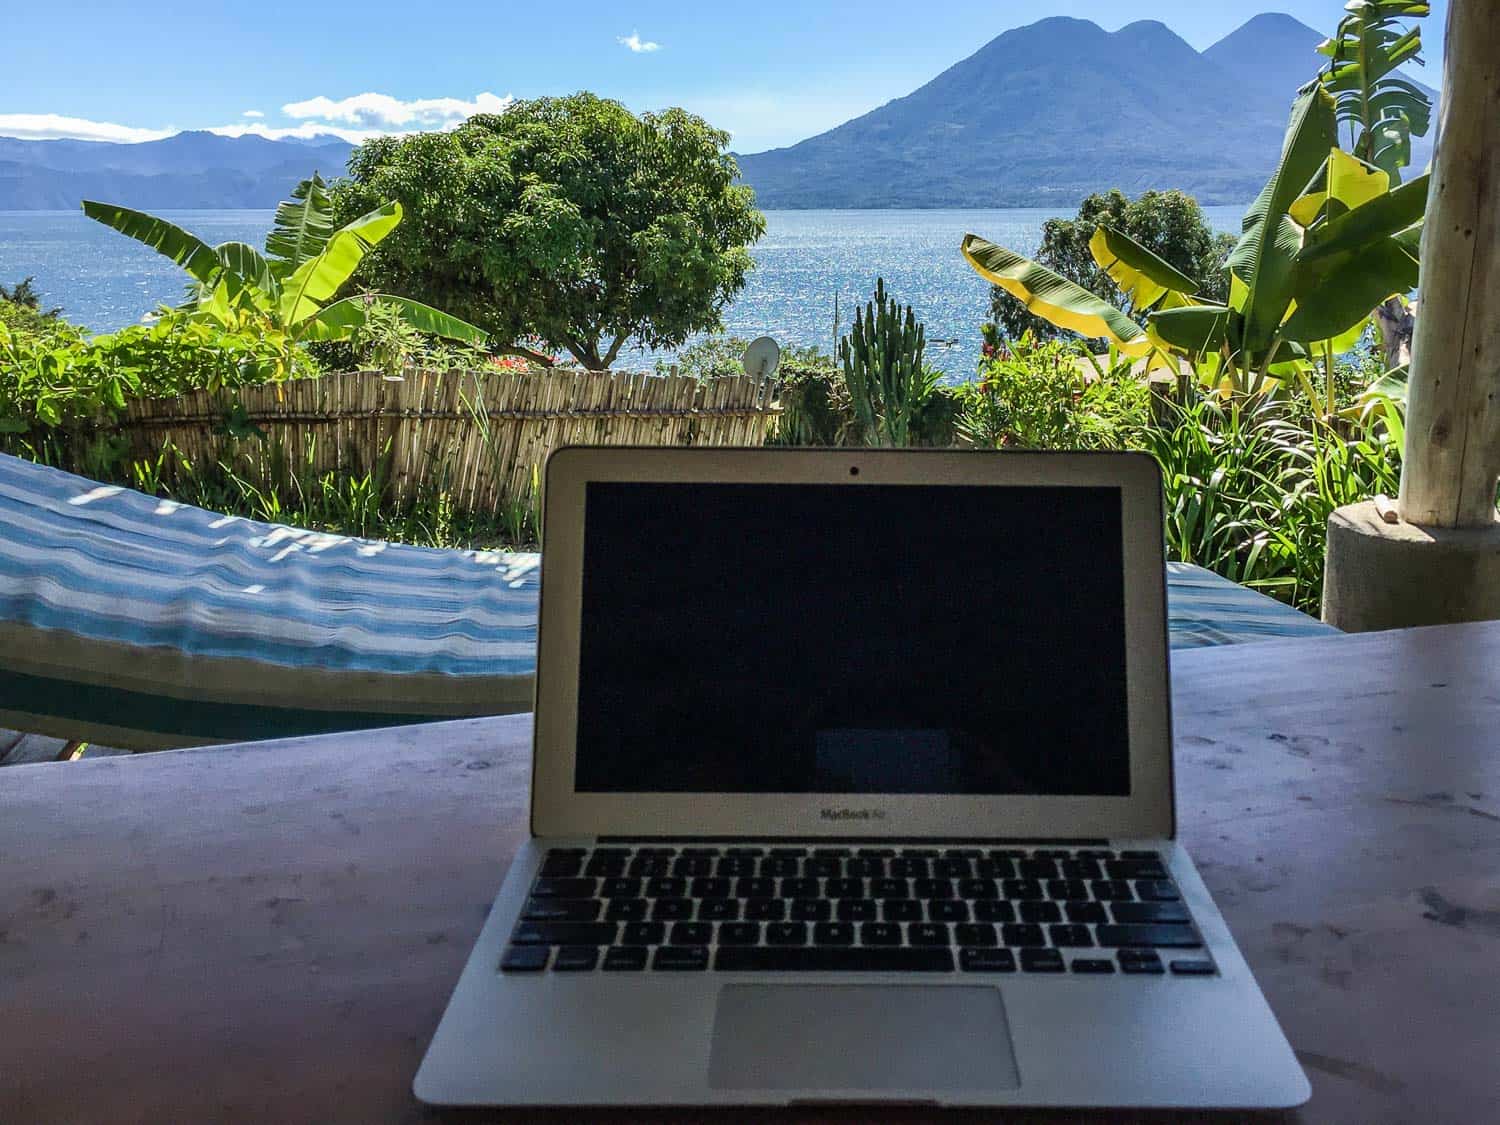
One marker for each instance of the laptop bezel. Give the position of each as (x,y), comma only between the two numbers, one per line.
(557,810)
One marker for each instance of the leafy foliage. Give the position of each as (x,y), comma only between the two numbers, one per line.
(1051,296)
(23,296)
(64,379)
(565,224)
(1381,109)
(1050,395)
(303,225)
(288,293)
(1325,242)
(1250,480)
(384,340)
(1169,224)
(1249,490)
(721,356)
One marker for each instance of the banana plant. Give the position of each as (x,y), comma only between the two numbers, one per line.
(290,289)
(1382,110)
(1056,299)
(1325,242)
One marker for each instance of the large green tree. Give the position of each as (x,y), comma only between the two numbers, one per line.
(563,224)
(1168,223)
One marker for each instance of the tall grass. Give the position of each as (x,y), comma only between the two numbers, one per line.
(1250,480)
(343,503)
(1250,484)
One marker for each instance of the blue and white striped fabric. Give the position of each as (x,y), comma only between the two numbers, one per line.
(1204,609)
(143,623)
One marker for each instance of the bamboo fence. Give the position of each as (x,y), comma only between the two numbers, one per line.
(477,436)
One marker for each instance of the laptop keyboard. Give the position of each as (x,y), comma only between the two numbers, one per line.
(648,908)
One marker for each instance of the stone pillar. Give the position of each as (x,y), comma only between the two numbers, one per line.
(1439,562)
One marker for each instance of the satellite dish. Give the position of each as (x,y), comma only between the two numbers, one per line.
(762,358)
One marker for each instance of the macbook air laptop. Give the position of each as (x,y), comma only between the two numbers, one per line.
(853,783)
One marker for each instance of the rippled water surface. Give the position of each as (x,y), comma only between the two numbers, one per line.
(106,281)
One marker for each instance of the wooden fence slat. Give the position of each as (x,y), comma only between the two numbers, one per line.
(475,435)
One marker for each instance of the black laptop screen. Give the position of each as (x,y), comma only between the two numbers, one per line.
(758,638)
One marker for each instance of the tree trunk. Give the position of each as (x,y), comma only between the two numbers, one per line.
(587,354)
(527,353)
(614,349)
(1452,457)
(1397,324)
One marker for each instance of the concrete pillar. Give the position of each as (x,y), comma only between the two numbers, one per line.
(1440,561)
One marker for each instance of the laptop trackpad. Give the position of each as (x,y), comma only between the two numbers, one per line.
(852,1037)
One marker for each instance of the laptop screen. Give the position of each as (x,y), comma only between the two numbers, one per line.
(882,639)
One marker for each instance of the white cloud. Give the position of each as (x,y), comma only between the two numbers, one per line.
(383,112)
(299,132)
(54,126)
(354,119)
(635,43)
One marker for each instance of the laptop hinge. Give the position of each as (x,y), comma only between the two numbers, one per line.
(1069,841)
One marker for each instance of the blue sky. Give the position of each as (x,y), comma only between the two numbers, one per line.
(771,73)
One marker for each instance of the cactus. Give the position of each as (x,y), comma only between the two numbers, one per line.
(882,360)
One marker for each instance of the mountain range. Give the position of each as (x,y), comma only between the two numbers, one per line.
(1044,114)
(192,170)
(1040,116)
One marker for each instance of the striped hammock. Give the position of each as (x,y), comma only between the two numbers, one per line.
(137,622)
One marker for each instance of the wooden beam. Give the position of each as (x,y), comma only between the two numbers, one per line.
(1452,457)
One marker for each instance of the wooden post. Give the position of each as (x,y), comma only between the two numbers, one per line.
(1453,423)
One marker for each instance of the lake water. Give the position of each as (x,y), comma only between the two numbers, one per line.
(106,281)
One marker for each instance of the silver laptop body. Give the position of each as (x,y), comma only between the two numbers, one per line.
(852,783)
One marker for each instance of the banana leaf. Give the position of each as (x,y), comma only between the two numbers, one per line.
(318,279)
(1344,183)
(1396,97)
(1264,256)
(187,250)
(218,303)
(1195,329)
(342,318)
(1383,217)
(1054,298)
(1143,276)
(1391,142)
(243,263)
(1338,298)
(302,228)
(1382,109)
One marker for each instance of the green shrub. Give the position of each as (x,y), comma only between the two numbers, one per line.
(719,356)
(1051,395)
(1249,480)
(1250,484)
(816,409)
(386,341)
(63,379)
(21,310)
